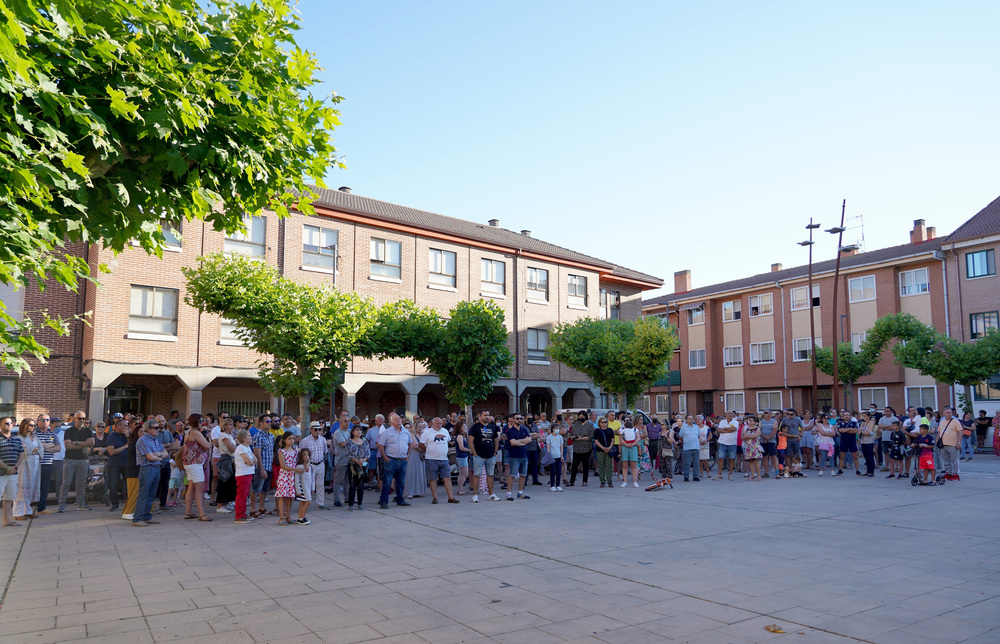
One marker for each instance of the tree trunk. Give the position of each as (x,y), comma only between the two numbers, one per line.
(967,403)
(848,396)
(622,402)
(304,403)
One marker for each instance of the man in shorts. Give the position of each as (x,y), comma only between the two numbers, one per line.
(434,445)
(728,429)
(769,442)
(485,443)
(263,450)
(518,438)
(847,427)
(791,428)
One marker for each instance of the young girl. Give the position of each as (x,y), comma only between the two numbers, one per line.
(462,455)
(243,462)
(897,452)
(174,485)
(357,464)
(284,489)
(752,451)
(554,443)
(825,432)
(304,482)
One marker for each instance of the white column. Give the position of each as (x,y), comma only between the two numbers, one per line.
(194,401)
(411,405)
(512,404)
(96,410)
(351,403)
(557,404)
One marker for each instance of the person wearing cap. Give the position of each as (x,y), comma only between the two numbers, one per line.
(318,447)
(117,445)
(148,453)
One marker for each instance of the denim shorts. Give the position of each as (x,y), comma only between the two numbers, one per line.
(462,461)
(437,470)
(260,482)
(518,466)
(726,451)
(793,449)
(478,464)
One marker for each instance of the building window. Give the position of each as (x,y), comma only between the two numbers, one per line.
(442,267)
(920,397)
(538,284)
(857,339)
(914,282)
(493,278)
(735,402)
(8,396)
(662,404)
(696,358)
(642,404)
(248,408)
(682,403)
(980,323)
(538,344)
(171,234)
(980,264)
(731,311)
(319,247)
(577,290)
(696,316)
(153,310)
(732,356)
(869,395)
(768,400)
(985,392)
(386,258)
(761,352)
(760,305)
(800,297)
(250,243)
(610,304)
(802,349)
(862,289)
(227,333)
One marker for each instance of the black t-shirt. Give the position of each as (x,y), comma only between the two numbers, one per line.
(131,466)
(80,434)
(604,437)
(482,439)
(983,425)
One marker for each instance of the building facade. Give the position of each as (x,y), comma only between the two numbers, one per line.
(145,350)
(746,343)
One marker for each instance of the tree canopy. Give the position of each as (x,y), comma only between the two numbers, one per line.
(118,118)
(624,357)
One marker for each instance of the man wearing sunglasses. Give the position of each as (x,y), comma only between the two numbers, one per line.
(149,453)
(79,439)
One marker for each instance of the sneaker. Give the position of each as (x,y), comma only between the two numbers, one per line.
(687,480)
(213,504)
(494,497)
(152,521)
(361,507)
(127,517)
(350,508)
(323,507)
(510,497)
(384,506)
(697,479)
(303,521)
(503,487)
(858,472)
(766,475)
(821,473)
(140,524)
(553,488)
(114,509)
(522,495)
(475,498)
(626,484)
(634,484)
(961,459)
(208,496)
(558,489)
(223,510)
(62,508)
(338,504)
(242,521)
(299,497)
(840,472)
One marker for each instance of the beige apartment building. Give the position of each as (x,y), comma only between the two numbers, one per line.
(746,342)
(147,351)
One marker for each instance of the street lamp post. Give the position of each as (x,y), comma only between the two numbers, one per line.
(812,318)
(839,231)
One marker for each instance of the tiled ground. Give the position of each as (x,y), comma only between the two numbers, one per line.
(827,560)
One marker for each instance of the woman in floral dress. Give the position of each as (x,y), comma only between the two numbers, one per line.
(752,451)
(645,464)
(284,489)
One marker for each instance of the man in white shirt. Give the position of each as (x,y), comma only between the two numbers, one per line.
(434,445)
(728,429)
(318,447)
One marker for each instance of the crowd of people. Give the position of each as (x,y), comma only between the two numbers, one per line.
(142,466)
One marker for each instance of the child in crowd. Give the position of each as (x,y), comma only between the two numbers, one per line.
(304,483)
(925,445)
(897,452)
(244,463)
(554,443)
(667,453)
(752,450)
(284,490)
(174,485)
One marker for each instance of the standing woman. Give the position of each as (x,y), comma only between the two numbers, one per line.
(194,456)
(604,441)
(284,489)
(645,458)
(752,450)
(358,454)
(225,493)
(462,454)
(416,479)
(629,441)
(808,439)
(969,435)
(132,470)
(29,474)
(869,436)
(825,446)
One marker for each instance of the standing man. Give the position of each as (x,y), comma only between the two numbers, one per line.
(51,445)
(582,434)
(11,457)
(728,429)
(117,455)
(393,447)
(78,440)
(791,428)
(373,460)
(341,434)
(950,435)
(518,438)
(847,427)
(485,442)
(653,432)
(690,447)
(149,452)
(538,436)
(911,427)
(318,448)
(263,451)
(884,423)
(769,441)
(434,445)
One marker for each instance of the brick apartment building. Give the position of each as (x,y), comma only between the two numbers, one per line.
(746,342)
(149,352)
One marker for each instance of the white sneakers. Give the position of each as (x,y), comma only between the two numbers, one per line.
(475,498)
(624,484)
(634,484)
(553,489)
(494,497)
(559,489)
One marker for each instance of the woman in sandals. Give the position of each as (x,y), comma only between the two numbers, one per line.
(193,455)
(284,490)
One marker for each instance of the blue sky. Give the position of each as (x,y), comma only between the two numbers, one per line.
(664,135)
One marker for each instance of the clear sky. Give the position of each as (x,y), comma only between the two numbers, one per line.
(666,135)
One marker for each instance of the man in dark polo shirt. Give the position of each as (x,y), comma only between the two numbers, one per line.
(78,439)
(117,455)
(485,442)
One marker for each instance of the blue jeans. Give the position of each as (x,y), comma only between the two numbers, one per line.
(149,481)
(690,459)
(393,471)
(968,446)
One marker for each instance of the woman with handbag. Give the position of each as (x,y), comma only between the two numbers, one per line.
(553,458)
(194,453)
(225,493)
(604,441)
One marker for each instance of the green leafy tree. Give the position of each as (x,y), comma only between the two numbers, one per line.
(305,335)
(117,118)
(625,357)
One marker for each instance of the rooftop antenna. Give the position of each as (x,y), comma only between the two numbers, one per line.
(858,222)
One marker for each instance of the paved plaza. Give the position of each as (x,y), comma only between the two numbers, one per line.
(826,560)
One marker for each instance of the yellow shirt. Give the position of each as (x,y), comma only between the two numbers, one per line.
(614,426)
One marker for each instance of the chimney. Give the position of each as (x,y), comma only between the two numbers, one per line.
(494,222)
(931,233)
(775,268)
(850,250)
(919,233)
(344,189)
(526,233)
(682,281)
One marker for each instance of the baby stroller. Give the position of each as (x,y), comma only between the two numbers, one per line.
(97,489)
